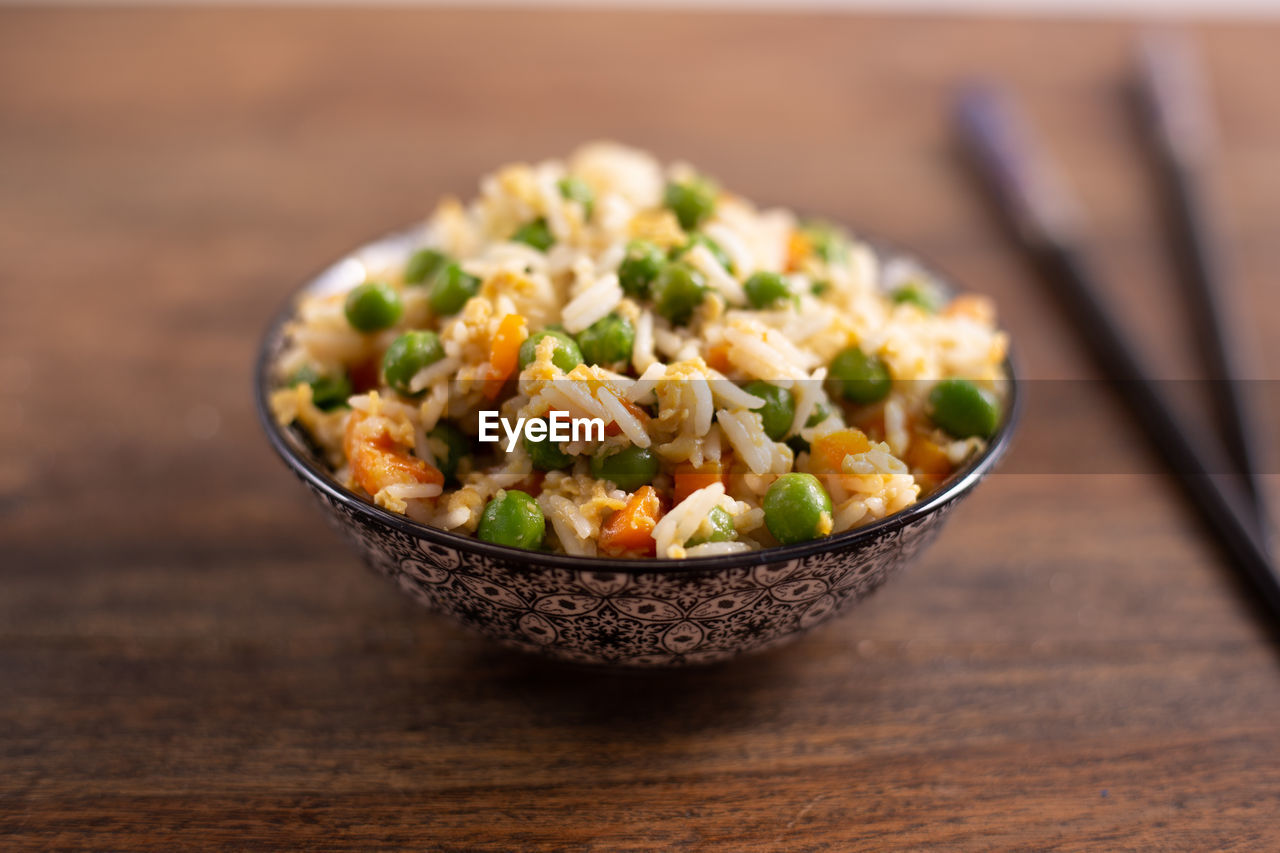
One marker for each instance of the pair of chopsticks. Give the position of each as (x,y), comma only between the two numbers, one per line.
(1048,226)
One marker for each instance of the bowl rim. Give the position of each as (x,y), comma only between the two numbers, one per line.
(311,471)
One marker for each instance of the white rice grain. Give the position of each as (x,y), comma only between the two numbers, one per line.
(412,491)
(564,517)
(764,353)
(322,310)
(576,396)
(895,426)
(387,406)
(627,422)
(432,373)
(730,395)
(642,356)
(677,526)
(745,432)
(711,447)
(592,304)
(691,349)
(849,514)
(667,342)
(712,549)
(703,409)
(648,380)
(454,518)
(732,243)
(717,276)
(808,394)
(435,406)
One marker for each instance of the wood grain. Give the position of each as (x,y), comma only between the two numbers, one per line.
(190,658)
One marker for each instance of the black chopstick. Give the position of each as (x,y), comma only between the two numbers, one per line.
(1048,229)
(1174,111)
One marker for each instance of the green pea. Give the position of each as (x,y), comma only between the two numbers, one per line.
(608,340)
(643,262)
(423,265)
(628,468)
(858,377)
(450,446)
(513,518)
(546,454)
(916,293)
(372,306)
(717,527)
(778,410)
(692,201)
(408,354)
(818,288)
(795,507)
(535,234)
(765,289)
(566,355)
(820,413)
(451,290)
(677,291)
(576,189)
(717,252)
(963,409)
(829,241)
(327,392)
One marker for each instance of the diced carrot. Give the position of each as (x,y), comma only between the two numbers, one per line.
(929,462)
(827,453)
(718,356)
(504,352)
(630,530)
(927,456)
(799,247)
(377,462)
(689,479)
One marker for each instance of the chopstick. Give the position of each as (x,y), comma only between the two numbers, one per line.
(1174,109)
(1048,228)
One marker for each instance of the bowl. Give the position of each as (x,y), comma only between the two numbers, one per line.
(617,612)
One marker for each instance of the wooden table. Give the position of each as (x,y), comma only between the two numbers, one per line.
(190,657)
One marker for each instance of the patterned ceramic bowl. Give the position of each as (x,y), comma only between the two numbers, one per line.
(609,611)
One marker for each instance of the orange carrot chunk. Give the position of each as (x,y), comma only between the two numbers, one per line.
(504,353)
(376,461)
(718,357)
(689,479)
(629,531)
(926,456)
(827,452)
(799,247)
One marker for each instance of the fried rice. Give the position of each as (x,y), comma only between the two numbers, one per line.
(747,295)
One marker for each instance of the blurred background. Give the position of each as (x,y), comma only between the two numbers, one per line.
(188,655)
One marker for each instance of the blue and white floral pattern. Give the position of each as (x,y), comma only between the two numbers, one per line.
(631,618)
